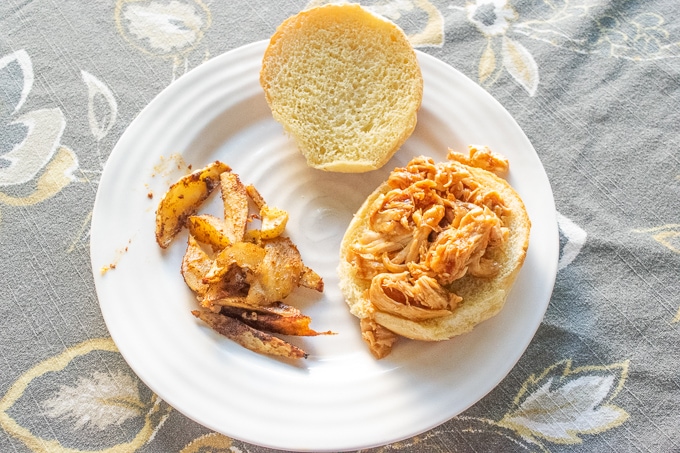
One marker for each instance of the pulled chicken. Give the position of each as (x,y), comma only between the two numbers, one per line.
(435,224)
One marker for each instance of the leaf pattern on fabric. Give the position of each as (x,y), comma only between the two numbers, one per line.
(98,397)
(495,19)
(30,145)
(563,403)
(487,64)
(213,443)
(520,65)
(668,236)
(559,405)
(43,130)
(643,36)
(575,238)
(433,33)
(102,108)
(491,17)
(16,80)
(101,399)
(634,37)
(57,174)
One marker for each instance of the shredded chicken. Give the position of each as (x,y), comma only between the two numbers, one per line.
(433,226)
(378,338)
(482,157)
(417,299)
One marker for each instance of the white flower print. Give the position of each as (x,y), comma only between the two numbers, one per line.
(492,17)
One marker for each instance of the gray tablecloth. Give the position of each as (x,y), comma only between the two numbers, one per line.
(595,84)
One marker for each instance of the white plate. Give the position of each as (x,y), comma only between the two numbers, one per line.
(340,398)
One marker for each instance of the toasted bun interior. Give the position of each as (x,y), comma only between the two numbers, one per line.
(345,84)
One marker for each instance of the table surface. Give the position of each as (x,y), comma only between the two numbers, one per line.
(595,85)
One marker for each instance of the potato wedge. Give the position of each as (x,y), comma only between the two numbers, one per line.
(278,274)
(195,265)
(259,274)
(236,210)
(210,230)
(239,274)
(255,195)
(310,279)
(274,319)
(218,293)
(183,199)
(274,220)
(246,336)
(247,256)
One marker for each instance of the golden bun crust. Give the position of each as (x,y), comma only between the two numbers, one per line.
(482,297)
(345,84)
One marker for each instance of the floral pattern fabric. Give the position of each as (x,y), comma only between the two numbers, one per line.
(595,84)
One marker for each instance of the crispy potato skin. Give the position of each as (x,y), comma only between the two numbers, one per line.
(184,198)
(248,337)
(310,279)
(279,318)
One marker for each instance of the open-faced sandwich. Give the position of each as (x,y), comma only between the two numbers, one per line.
(434,250)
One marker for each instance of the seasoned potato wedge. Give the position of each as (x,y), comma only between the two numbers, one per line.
(274,220)
(184,198)
(255,195)
(195,265)
(235,200)
(310,279)
(274,319)
(258,274)
(278,273)
(246,336)
(210,230)
(245,255)
(218,293)
(239,274)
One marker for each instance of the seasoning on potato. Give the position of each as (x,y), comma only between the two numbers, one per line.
(240,275)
